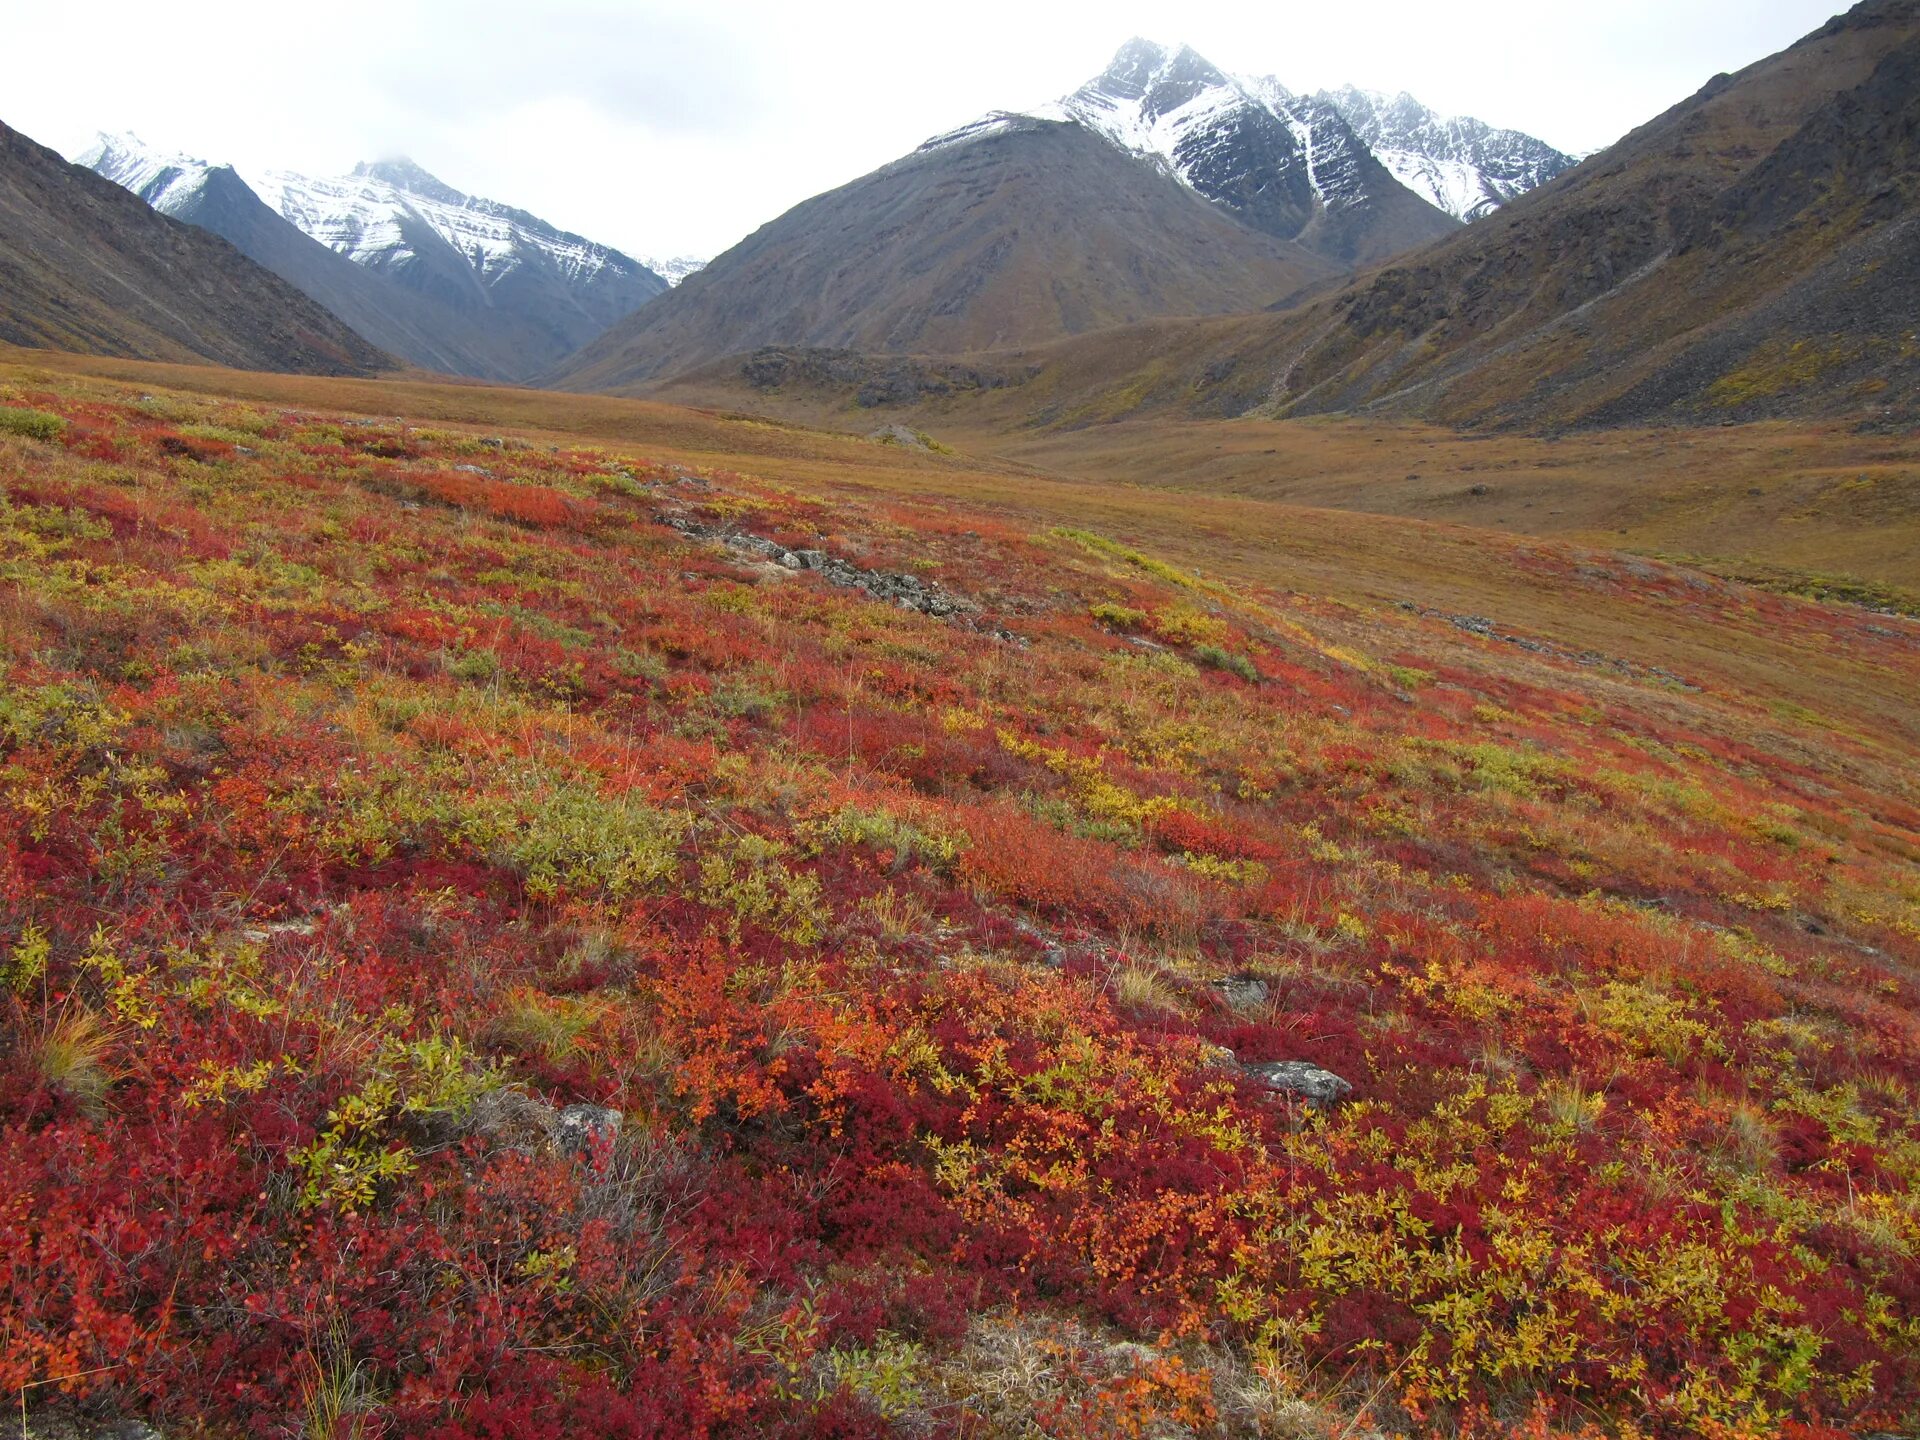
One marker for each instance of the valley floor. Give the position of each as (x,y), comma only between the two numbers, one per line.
(533,915)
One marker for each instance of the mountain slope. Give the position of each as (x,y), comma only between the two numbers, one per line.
(215,198)
(84,265)
(1287,164)
(1464,166)
(1748,254)
(542,290)
(1639,282)
(447,280)
(1010,232)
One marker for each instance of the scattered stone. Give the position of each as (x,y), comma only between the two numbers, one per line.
(58,1423)
(513,1119)
(1244,992)
(901,435)
(909,592)
(1319,1088)
(1592,659)
(580,1129)
(1478,489)
(261,934)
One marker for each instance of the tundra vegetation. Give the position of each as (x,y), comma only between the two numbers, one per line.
(371,792)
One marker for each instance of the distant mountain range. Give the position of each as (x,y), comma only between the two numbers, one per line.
(1067,241)
(1333,169)
(447,280)
(1168,235)
(1021,227)
(1753,253)
(86,266)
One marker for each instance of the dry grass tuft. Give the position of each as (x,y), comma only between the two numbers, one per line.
(1146,987)
(336,1397)
(1571,1106)
(70,1056)
(556,1027)
(899,916)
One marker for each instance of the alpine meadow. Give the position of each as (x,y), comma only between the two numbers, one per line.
(1207,762)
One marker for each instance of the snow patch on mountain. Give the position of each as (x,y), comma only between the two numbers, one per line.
(1465,166)
(371,217)
(165,181)
(1201,124)
(352,217)
(994,122)
(677,269)
(382,213)
(1174,107)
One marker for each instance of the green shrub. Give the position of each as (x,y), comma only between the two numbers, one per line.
(1120,617)
(1215,658)
(33,424)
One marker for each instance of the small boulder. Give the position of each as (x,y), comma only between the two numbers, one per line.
(1243,992)
(899,435)
(512,1119)
(1304,1081)
(580,1129)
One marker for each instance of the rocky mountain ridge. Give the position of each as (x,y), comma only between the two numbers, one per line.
(86,266)
(486,289)
(1465,166)
(1288,165)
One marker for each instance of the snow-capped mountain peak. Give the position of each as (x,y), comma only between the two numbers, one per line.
(165,181)
(1352,166)
(404,174)
(1465,166)
(676,269)
(1243,141)
(1156,77)
(489,289)
(385,212)
(380,215)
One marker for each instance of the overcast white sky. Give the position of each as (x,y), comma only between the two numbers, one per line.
(677,128)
